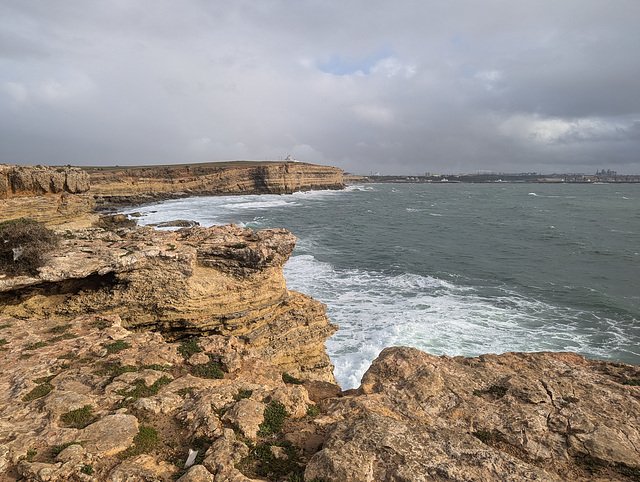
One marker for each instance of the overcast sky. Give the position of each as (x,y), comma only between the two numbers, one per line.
(405,87)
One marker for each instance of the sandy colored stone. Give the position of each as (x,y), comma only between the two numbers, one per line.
(142,468)
(224,280)
(246,415)
(110,434)
(517,416)
(197,473)
(224,453)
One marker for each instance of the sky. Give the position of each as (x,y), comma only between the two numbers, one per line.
(370,86)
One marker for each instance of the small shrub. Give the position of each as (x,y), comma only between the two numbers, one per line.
(186,391)
(60,328)
(190,347)
(286,378)
(274,415)
(117,346)
(31,454)
(212,369)
(87,469)
(101,324)
(145,440)
(3,342)
(239,246)
(634,382)
(242,394)
(38,392)
(24,244)
(142,390)
(7,325)
(313,410)
(36,345)
(78,418)
(56,449)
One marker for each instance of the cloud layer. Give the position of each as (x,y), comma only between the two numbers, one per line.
(369,86)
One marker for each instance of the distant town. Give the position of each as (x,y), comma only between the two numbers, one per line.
(604,176)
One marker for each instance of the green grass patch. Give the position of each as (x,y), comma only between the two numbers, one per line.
(141,390)
(313,410)
(145,441)
(117,346)
(242,394)
(274,415)
(8,325)
(3,341)
(56,449)
(186,391)
(87,469)
(101,324)
(190,347)
(262,462)
(634,382)
(286,378)
(78,418)
(212,369)
(113,370)
(36,345)
(38,392)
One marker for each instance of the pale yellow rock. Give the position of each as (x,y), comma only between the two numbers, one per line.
(109,435)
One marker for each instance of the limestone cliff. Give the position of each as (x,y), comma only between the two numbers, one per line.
(137,185)
(67,197)
(221,280)
(46,194)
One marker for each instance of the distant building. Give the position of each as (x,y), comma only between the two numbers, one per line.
(290,159)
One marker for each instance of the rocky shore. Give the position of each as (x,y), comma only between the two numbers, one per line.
(133,354)
(70,196)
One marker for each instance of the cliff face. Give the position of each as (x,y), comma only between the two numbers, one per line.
(66,196)
(138,185)
(223,280)
(517,416)
(45,194)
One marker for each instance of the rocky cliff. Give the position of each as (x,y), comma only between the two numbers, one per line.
(517,416)
(221,280)
(138,185)
(86,399)
(46,194)
(68,197)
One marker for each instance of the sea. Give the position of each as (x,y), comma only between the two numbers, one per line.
(455,269)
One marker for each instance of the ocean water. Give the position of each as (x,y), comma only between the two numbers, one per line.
(456,269)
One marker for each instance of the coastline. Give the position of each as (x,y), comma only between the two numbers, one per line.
(86,331)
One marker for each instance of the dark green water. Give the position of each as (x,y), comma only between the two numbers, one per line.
(461,269)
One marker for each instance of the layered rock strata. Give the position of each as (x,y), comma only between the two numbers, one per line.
(46,194)
(140,185)
(517,416)
(220,280)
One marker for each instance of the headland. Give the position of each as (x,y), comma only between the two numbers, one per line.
(136,354)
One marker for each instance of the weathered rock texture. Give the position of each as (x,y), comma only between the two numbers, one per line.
(517,416)
(139,185)
(222,280)
(75,397)
(46,194)
(66,196)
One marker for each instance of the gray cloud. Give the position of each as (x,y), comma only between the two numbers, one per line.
(404,87)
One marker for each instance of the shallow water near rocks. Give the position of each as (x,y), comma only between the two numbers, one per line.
(456,269)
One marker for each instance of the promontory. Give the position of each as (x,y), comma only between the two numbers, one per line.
(134,354)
